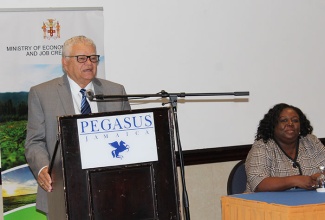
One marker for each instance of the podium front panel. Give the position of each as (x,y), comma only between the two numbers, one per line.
(124,193)
(147,190)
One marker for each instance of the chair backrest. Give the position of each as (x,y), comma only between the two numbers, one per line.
(237,179)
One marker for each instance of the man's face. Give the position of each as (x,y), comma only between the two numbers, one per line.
(81,73)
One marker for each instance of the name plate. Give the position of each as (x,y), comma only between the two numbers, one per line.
(117,140)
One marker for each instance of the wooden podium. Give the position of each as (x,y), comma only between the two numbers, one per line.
(139,191)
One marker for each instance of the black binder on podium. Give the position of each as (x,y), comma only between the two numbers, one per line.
(115,165)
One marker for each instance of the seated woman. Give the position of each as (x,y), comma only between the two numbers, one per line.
(285,154)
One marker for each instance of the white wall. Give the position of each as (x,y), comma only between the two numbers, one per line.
(273,49)
(206,184)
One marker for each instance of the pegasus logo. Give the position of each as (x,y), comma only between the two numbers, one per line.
(119,147)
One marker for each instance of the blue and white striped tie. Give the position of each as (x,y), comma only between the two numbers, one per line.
(85,107)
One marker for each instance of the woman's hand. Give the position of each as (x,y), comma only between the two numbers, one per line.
(288,182)
(307,182)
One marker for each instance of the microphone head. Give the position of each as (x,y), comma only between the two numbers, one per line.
(90,94)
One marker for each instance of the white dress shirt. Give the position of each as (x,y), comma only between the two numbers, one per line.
(77,96)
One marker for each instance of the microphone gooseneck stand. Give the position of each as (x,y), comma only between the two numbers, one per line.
(163,94)
(173,102)
(186,205)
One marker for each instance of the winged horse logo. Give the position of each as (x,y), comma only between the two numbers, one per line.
(119,147)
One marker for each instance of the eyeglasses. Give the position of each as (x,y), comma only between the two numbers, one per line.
(84,58)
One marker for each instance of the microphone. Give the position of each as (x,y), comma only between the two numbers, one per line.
(90,94)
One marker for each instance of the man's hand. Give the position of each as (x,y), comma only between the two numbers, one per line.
(44,180)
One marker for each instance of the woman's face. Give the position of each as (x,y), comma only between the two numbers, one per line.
(288,126)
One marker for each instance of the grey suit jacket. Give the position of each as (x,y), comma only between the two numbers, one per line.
(46,102)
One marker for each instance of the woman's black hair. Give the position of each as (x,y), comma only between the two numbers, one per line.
(267,125)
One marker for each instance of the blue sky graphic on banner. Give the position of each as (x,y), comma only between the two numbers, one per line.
(30,47)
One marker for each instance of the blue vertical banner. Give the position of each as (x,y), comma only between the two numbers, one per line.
(31,48)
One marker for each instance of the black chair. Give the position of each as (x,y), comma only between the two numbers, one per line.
(237,179)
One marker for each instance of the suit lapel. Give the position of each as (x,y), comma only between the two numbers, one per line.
(99,90)
(65,96)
